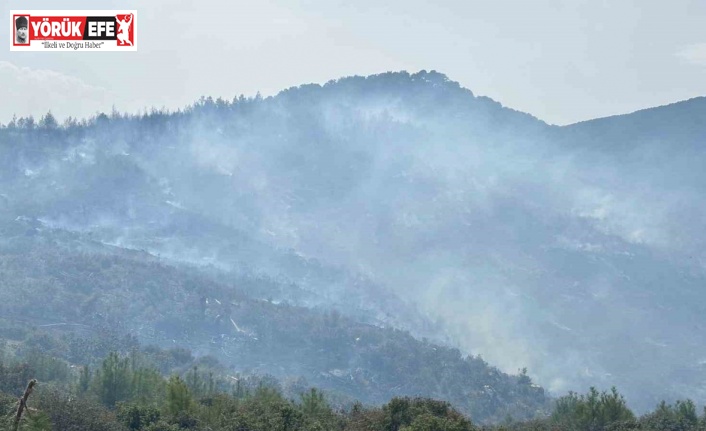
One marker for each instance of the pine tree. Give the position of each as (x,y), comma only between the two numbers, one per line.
(113,380)
(84,380)
(178,396)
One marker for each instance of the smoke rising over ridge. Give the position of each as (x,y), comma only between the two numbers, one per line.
(574,251)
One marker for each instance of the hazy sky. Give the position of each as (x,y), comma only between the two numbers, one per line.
(560,60)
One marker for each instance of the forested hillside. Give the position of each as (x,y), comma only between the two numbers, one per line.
(339,226)
(164,390)
(79,305)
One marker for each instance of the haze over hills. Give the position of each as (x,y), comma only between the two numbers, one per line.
(404,201)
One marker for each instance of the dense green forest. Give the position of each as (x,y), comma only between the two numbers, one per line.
(129,392)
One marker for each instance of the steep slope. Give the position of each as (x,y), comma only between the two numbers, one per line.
(653,159)
(406,200)
(50,280)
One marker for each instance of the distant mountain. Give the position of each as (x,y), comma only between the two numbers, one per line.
(405,200)
(680,124)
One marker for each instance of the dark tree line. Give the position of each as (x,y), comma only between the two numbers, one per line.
(126,392)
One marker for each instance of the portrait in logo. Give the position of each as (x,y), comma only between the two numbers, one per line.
(22,30)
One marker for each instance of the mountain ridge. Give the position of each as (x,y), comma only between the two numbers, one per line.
(516,240)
